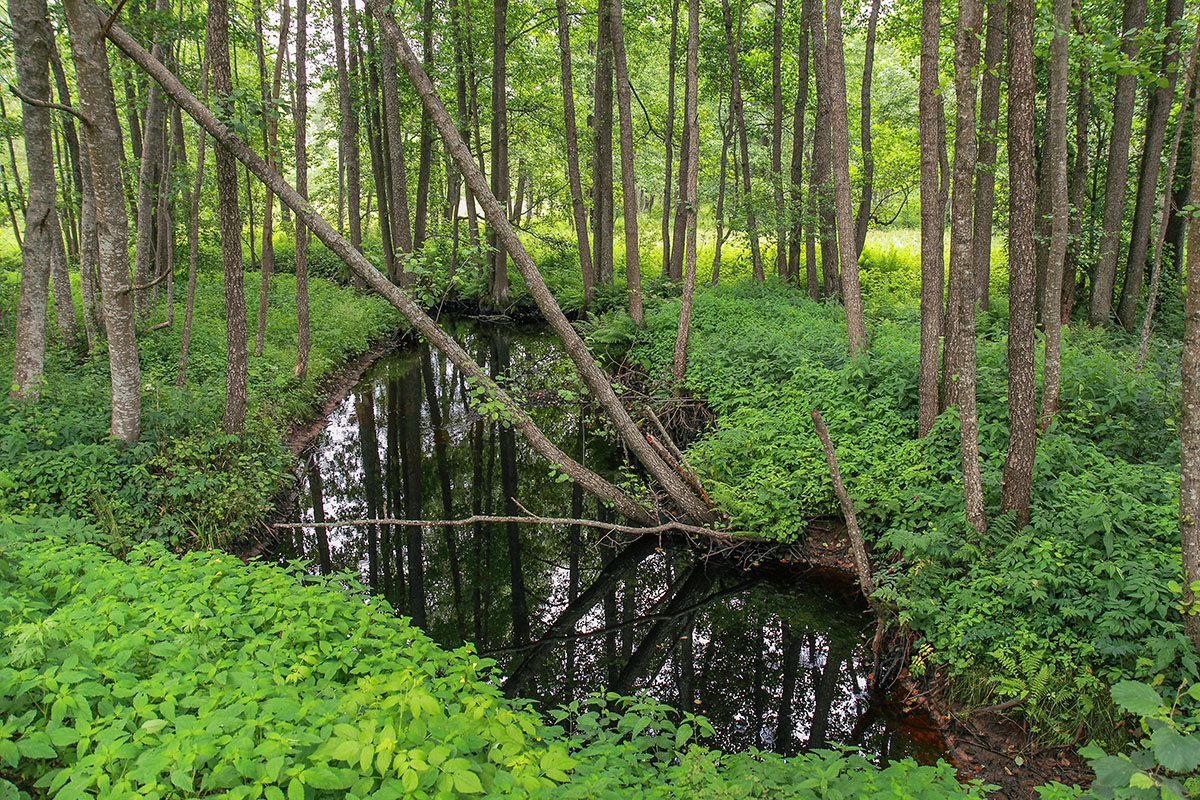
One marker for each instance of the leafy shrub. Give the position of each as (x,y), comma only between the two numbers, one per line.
(202,676)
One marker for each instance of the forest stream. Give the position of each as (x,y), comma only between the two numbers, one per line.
(776,656)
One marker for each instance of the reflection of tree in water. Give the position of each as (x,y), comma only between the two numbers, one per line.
(771,659)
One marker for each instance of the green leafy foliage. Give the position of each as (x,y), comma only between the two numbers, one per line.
(185,482)
(201,676)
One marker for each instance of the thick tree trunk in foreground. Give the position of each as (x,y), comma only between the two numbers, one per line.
(863,218)
(691,131)
(1116,180)
(959,363)
(1060,207)
(103,137)
(933,219)
(739,119)
(33,40)
(1156,133)
(856,326)
(985,171)
(1022,321)
(1189,429)
(629,206)
(229,215)
(595,378)
(578,210)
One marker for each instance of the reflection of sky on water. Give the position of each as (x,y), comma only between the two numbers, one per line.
(774,657)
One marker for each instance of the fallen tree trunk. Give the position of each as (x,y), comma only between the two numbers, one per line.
(596,379)
(495,397)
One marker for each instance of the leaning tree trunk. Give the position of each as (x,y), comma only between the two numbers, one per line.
(633,269)
(1156,132)
(856,326)
(933,219)
(32,43)
(103,140)
(739,119)
(358,263)
(229,216)
(959,363)
(578,211)
(1116,180)
(1022,320)
(985,171)
(863,218)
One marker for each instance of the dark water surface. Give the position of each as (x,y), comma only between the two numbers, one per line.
(776,657)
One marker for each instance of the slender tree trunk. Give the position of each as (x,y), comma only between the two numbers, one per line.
(602,156)
(1116,180)
(856,326)
(578,211)
(12,157)
(863,218)
(796,236)
(1165,206)
(92,324)
(375,139)
(781,263)
(595,378)
(498,285)
(229,215)
(629,207)
(985,172)
(726,134)
(669,141)
(71,137)
(1158,110)
(691,130)
(1078,189)
(103,136)
(393,130)
(300,115)
(266,264)
(60,283)
(739,120)
(820,189)
(193,237)
(32,40)
(1060,207)
(147,183)
(425,156)
(960,343)
(933,218)
(1022,321)
(1189,429)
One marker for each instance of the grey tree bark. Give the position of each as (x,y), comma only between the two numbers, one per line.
(959,362)
(1022,320)
(985,172)
(1158,109)
(1189,428)
(691,130)
(147,184)
(300,116)
(856,326)
(1116,179)
(669,140)
(820,189)
(739,119)
(933,218)
(629,205)
(578,211)
(32,41)
(863,218)
(102,133)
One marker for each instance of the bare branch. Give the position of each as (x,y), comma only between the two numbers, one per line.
(24,98)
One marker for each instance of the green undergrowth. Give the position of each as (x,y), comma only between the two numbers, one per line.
(172,676)
(1080,599)
(185,482)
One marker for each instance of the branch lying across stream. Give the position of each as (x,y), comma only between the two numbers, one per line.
(612,527)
